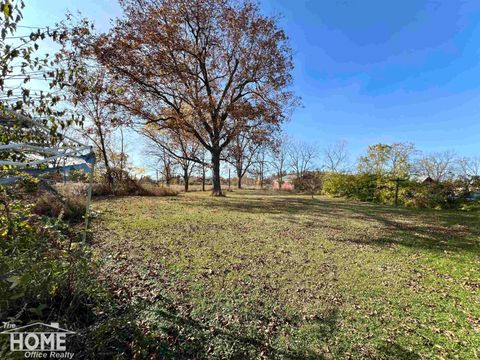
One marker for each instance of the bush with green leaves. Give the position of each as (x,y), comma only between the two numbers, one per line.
(42,260)
(34,260)
(375,188)
(339,185)
(360,187)
(471,206)
(77,176)
(436,195)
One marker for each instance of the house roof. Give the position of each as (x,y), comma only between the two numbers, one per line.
(428,180)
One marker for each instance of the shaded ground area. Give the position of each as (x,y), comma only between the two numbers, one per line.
(282,276)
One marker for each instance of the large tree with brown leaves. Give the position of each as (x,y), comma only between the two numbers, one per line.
(210,68)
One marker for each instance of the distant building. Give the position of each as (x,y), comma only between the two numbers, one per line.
(428,180)
(286,183)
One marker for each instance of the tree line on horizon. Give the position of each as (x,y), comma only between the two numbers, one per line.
(289,157)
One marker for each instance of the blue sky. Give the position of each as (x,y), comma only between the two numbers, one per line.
(367,71)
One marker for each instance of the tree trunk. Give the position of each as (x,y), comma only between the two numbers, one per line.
(185,179)
(203,178)
(239,177)
(103,149)
(262,171)
(109,173)
(121,156)
(110,179)
(107,164)
(217,186)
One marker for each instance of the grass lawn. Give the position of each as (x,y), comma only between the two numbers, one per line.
(258,274)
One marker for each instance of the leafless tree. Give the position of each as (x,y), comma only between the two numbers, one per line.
(182,148)
(163,162)
(469,169)
(101,116)
(335,156)
(260,165)
(469,166)
(301,156)
(279,159)
(439,166)
(241,154)
(202,155)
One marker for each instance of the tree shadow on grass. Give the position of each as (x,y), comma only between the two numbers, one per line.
(424,229)
(428,229)
(159,331)
(195,339)
(170,335)
(396,351)
(266,205)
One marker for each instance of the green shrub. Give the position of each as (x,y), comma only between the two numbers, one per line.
(46,273)
(361,187)
(433,195)
(338,185)
(34,259)
(471,206)
(439,195)
(77,176)
(30,183)
(367,187)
